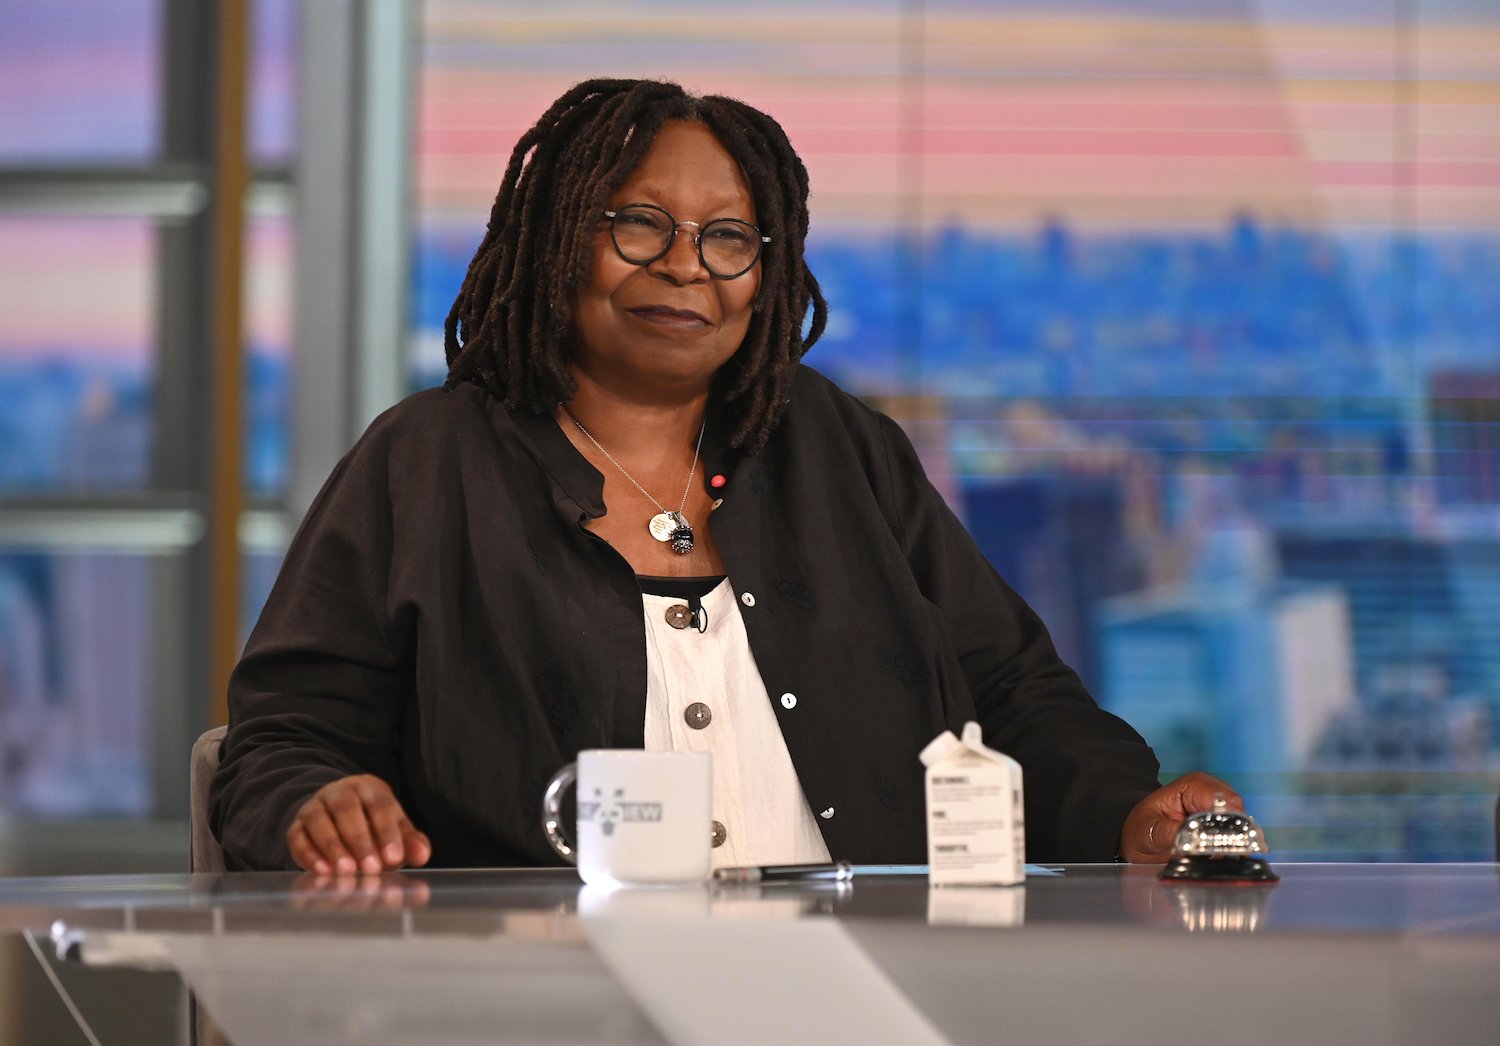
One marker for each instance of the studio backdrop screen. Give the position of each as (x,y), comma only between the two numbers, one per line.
(1188,305)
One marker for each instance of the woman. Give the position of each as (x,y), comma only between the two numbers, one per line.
(631,518)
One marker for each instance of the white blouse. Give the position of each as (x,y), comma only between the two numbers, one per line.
(704,694)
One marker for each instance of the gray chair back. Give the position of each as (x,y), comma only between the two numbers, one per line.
(204,854)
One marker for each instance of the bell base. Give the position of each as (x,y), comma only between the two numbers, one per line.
(1233,868)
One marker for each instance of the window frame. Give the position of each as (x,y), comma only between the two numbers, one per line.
(347,200)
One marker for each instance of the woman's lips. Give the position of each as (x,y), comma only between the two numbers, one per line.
(668,318)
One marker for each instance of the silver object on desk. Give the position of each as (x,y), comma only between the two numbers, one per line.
(1219,846)
(837,872)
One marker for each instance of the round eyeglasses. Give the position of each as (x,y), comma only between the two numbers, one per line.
(644,232)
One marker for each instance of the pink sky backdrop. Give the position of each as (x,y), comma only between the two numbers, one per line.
(79,80)
(85,289)
(77,288)
(268,285)
(78,85)
(1114,121)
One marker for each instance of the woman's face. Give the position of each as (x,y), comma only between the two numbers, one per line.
(663,329)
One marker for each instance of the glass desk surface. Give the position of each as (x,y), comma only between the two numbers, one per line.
(1375,953)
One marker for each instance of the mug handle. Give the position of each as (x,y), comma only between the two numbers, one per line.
(557,838)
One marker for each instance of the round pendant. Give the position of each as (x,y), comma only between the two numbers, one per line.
(682,534)
(662,525)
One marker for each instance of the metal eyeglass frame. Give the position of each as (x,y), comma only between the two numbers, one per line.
(697,238)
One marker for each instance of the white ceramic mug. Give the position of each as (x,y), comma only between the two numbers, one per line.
(643,817)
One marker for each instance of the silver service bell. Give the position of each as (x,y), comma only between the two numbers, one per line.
(1219,846)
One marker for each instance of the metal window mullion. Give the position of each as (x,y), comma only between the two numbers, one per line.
(354,155)
(322,275)
(182,456)
(384,119)
(105,528)
(169,192)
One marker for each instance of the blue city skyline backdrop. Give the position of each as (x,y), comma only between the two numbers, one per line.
(1214,348)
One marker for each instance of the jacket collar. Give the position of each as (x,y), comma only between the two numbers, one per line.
(583,484)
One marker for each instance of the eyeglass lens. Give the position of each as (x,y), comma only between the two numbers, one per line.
(727,246)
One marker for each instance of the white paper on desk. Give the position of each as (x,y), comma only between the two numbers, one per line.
(707,980)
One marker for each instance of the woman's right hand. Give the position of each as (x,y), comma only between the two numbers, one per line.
(354,825)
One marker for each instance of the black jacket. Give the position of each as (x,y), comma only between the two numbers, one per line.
(444,620)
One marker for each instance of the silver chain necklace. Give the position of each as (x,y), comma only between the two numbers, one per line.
(666,525)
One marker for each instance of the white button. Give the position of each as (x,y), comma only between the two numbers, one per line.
(826,814)
(747,599)
(716,504)
(788,700)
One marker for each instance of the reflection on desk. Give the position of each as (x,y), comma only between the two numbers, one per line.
(1377,953)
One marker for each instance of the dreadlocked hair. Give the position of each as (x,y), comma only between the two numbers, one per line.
(508,328)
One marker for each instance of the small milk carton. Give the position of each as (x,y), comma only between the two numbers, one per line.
(976,827)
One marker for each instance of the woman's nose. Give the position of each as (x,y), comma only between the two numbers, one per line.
(682,262)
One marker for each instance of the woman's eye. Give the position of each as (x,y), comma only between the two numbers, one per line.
(733,234)
(644,220)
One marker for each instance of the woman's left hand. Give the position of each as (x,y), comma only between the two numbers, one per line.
(1152,826)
